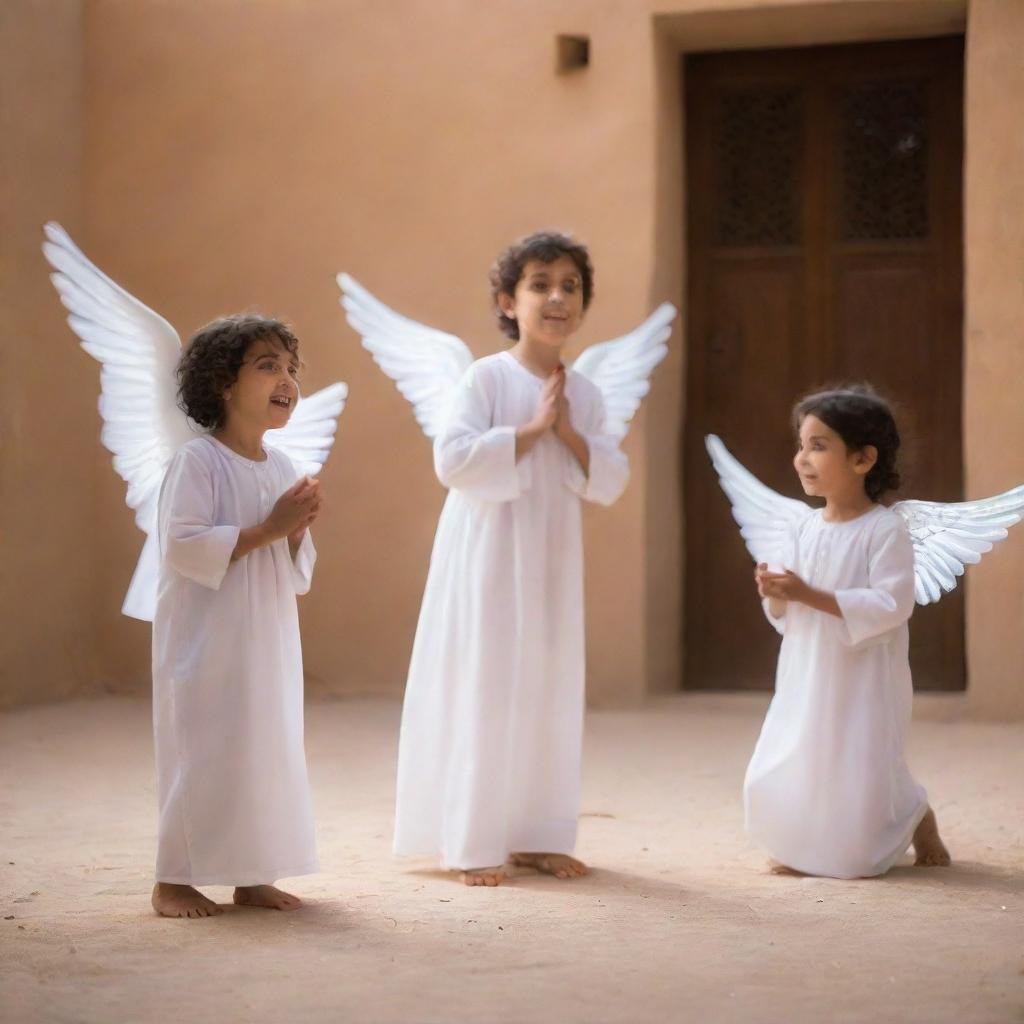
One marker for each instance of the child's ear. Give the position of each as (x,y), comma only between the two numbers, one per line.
(507,305)
(865,459)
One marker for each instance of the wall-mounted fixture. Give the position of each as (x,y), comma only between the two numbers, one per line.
(573,53)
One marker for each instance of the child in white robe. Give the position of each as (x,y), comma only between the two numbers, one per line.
(828,791)
(227,664)
(489,754)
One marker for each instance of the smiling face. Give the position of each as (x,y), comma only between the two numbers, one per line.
(548,301)
(826,467)
(267,387)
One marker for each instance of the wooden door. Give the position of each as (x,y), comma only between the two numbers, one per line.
(824,244)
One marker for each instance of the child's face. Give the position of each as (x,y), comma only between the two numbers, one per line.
(267,388)
(826,467)
(548,303)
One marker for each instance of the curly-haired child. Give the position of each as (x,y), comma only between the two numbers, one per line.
(227,663)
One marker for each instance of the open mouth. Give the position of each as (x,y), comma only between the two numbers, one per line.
(282,401)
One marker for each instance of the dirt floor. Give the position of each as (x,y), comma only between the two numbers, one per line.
(679,921)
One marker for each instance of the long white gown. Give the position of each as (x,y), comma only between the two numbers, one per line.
(489,753)
(227,677)
(828,791)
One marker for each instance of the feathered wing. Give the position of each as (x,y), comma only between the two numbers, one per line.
(946,536)
(138,351)
(766,519)
(309,434)
(424,363)
(949,536)
(622,368)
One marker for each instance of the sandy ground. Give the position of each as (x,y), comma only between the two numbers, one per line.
(679,922)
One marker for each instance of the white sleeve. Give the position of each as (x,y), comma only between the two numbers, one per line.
(302,565)
(888,599)
(778,621)
(305,556)
(609,467)
(472,456)
(784,558)
(190,541)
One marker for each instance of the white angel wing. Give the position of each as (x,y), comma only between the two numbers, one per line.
(138,351)
(425,363)
(766,518)
(621,368)
(949,536)
(309,434)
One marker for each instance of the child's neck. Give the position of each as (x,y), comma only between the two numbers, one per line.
(537,357)
(841,508)
(242,438)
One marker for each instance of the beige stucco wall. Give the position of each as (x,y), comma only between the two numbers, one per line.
(238,154)
(48,462)
(242,153)
(994,343)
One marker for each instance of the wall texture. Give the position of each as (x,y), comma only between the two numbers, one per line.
(994,345)
(239,154)
(49,463)
(216,157)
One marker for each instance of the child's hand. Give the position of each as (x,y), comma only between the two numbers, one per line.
(787,586)
(295,509)
(545,416)
(764,578)
(761,575)
(551,395)
(782,586)
(295,537)
(563,421)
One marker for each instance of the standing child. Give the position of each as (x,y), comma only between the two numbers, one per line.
(227,550)
(828,791)
(235,550)
(489,753)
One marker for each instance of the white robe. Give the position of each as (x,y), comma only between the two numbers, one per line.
(489,753)
(827,791)
(227,677)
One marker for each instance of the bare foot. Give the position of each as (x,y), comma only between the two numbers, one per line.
(929,850)
(171,900)
(265,896)
(483,876)
(561,865)
(776,868)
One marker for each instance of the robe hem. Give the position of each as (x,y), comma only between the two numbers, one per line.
(888,862)
(498,861)
(243,878)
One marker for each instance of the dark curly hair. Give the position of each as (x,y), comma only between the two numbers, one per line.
(211,362)
(861,417)
(545,246)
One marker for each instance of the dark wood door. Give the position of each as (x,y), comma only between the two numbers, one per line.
(824,244)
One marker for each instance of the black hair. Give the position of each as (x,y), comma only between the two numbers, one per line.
(211,362)
(861,417)
(545,246)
